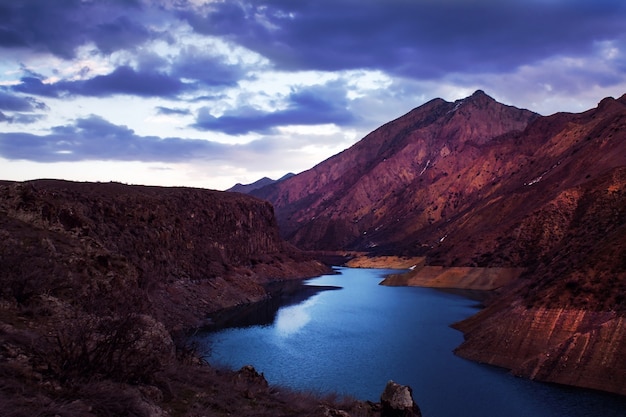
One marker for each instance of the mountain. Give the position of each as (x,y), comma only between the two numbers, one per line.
(476,183)
(399,180)
(248,188)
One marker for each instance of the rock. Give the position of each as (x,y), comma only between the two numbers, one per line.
(332,412)
(248,374)
(254,383)
(397,401)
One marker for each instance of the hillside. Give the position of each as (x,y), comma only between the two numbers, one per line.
(101,281)
(476,183)
(390,184)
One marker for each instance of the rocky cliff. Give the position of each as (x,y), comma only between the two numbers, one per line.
(204,249)
(566,345)
(98,283)
(476,183)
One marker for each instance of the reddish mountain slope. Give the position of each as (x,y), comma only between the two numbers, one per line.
(477,183)
(468,183)
(389,185)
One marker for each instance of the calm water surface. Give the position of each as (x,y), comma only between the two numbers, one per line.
(355,338)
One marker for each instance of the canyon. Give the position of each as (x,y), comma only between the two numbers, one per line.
(101,284)
(491,197)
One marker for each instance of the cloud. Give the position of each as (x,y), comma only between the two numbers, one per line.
(123,80)
(21,118)
(94,138)
(425,39)
(314,105)
(20,109)
(119,34)
(12,102)
(60,27)
(210,70)
(172,111)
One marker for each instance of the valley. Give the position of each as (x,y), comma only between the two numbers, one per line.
(490,197)
(102,282)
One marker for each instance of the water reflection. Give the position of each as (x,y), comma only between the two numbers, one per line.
(290,320)
(282,295)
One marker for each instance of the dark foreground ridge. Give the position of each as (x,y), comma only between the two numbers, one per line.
(99,283)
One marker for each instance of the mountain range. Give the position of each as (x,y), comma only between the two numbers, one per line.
(248,188)
(478,184)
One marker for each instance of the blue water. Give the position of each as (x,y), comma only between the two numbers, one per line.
(353,340)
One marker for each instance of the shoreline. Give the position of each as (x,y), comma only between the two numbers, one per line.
(462,278)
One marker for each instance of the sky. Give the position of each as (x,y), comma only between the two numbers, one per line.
(209,93)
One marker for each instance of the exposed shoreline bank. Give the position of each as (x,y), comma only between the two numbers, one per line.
(462,278)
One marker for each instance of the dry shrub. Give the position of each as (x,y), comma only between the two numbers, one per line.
(27,270)
(127,348)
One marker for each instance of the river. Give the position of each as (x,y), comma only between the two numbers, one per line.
(345,333)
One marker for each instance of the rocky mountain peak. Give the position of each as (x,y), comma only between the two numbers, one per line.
(479,96)
(344,196)
(610,104)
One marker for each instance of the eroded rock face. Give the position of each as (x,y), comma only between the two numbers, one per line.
(566,346)
(188,251)
(397,401)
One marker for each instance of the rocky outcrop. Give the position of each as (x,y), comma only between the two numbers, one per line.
(566,346)
(397,401)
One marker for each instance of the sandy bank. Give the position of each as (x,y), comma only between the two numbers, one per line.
(469,278)
(391,262)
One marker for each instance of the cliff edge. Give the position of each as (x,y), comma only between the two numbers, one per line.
(99,281)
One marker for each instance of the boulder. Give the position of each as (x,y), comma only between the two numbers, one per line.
(252,382)
(397,401)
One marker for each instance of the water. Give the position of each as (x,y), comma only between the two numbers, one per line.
(354,339)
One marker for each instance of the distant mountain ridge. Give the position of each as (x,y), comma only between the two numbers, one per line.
(248,188)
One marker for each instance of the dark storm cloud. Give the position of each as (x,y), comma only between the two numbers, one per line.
(59,27)
(413,38)
(172,112)
(94,138)
(123,80)
(10,102)
(21,109)
(306,106)
(119,34)
(21,118)
(209,70)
